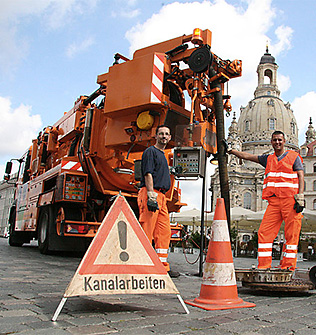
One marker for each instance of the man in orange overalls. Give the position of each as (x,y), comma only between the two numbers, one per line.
(283,187)
(152,203)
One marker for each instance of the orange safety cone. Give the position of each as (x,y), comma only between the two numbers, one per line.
(219,288)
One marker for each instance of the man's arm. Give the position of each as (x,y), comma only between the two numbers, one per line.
(149,182)
(300,174)
(244,155)
(299,198)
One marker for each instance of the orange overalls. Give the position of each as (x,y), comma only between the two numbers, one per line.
(156,225)
(279,187)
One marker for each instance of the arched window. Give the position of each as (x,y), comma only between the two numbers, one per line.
(303,152)
(293,128)
(247,200)
(271,123)
(247,125)
(268,77)
(314,204)
(314,185)
(314,167)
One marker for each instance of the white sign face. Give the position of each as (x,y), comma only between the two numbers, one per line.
(120,259)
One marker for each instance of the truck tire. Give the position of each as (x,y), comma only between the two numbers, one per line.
(44,221)
(312,275)
(14,238)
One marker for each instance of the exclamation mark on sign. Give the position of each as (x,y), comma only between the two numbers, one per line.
(122,230)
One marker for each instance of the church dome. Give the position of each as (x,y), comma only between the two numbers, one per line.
(267,58)
(260,118)
(266,112)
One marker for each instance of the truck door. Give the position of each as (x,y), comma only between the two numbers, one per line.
(22,196)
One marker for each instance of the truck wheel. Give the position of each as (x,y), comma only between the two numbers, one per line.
(312,275)
(14,240)
(45,219)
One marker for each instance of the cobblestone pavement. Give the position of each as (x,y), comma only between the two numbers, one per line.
(32,285)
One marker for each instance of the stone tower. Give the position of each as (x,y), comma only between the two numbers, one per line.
(264,114)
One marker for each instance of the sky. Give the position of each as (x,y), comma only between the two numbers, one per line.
(53,50)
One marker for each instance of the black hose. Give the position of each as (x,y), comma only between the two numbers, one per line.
(220,136)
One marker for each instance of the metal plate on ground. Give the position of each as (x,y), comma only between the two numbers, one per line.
(263,276)
(294,285)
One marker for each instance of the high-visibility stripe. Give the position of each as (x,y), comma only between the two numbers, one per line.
(161,251)
(291,247)
(281,174)
(220,231)
(219,274)
(290,254)
(157,78)
(282,184)
(264,245)
(155,94)
(76,166)
(163,259)
(264,253)
(159,64)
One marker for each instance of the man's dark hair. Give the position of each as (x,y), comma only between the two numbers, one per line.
(278,132)
(162,126)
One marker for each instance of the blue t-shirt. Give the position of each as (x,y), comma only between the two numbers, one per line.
(298,165)
(155,163)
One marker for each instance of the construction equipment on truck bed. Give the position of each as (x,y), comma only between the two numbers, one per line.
(72,170)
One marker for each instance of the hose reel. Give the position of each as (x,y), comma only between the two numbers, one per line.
(200,59)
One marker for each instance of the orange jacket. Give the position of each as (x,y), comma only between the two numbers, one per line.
(279,178)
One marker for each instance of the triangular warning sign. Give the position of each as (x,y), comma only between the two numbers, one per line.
(120,259)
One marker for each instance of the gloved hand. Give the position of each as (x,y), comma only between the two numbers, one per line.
(152,203)
(299,202)
(227,147)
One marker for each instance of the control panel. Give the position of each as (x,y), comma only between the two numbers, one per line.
(189,162)
(71,187)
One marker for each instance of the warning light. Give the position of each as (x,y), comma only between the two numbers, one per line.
(197,36)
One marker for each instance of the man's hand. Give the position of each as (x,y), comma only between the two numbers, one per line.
(152,203)
(299,202)
(227,147)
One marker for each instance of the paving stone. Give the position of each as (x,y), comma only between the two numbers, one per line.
(26,308)
(92,330)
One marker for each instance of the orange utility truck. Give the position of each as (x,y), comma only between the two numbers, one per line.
(72,170)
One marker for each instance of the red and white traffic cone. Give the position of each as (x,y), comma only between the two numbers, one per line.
(219,288)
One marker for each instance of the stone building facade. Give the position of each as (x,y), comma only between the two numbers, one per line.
(308,153)
(7,191)
(264,114)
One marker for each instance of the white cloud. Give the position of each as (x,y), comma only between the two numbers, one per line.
(80,47)
(128,14)
(125,9)
(243,36)
(284,82)
(52,14)
(284,35)
(17,129)
(303,108)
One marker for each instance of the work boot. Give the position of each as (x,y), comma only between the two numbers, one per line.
(173,274)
